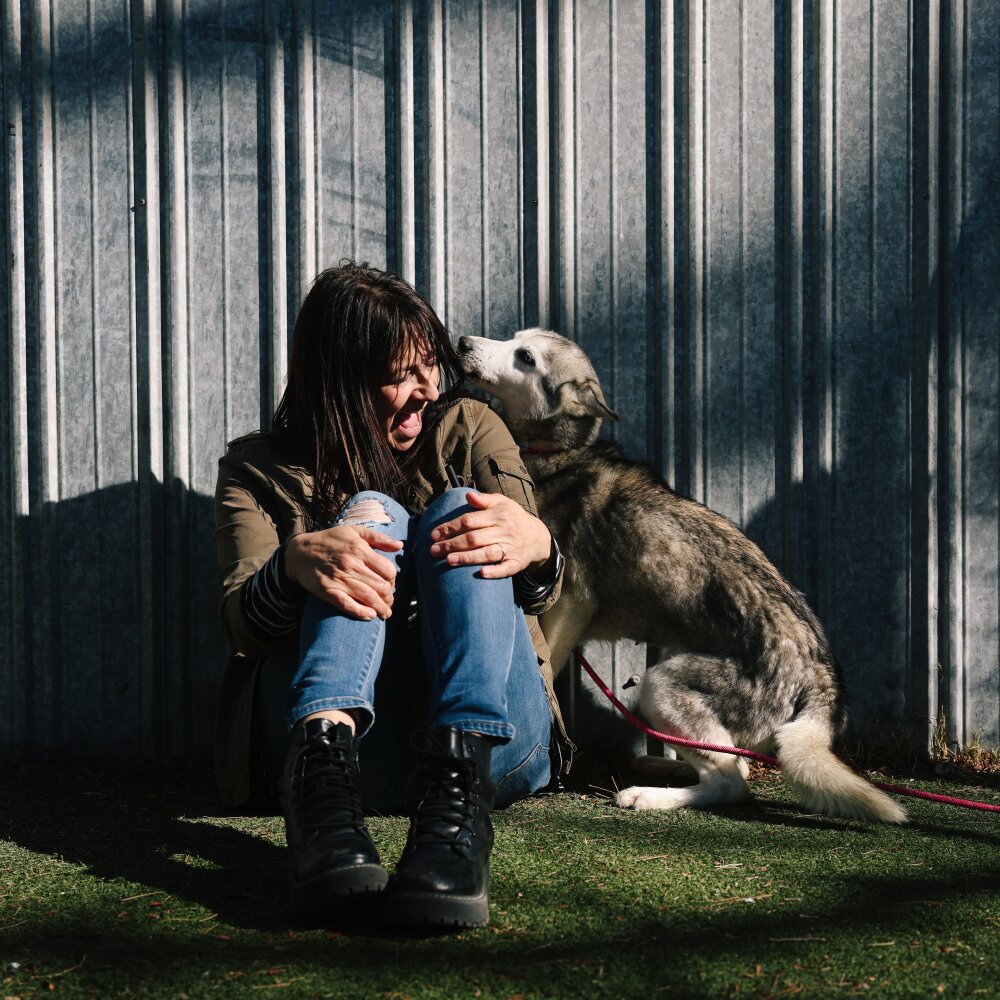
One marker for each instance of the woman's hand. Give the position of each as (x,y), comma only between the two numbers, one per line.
(342,567)
(499,535)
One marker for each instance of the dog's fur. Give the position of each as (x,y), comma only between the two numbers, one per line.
(747,661)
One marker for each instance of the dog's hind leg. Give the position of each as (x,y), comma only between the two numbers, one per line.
(674,707)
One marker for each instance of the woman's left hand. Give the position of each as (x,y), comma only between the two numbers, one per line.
(498,534)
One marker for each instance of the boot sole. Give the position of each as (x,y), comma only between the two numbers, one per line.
(358,883)
(436,909)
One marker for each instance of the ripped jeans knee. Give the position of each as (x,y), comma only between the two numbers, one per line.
(372,510)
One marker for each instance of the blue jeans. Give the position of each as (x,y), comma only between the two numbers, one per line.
(468,662)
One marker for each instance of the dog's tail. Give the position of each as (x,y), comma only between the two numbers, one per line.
(824,781)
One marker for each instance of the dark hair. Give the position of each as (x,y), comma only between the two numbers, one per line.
(354,325)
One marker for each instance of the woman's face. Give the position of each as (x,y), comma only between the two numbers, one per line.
(400,403)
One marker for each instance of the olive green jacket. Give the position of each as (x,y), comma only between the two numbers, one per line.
(262,500)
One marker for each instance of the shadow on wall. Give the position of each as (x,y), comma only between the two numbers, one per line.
(856,588)
(117,646)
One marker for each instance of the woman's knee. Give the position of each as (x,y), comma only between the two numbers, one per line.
(373,510)
(530,775)
(444,507)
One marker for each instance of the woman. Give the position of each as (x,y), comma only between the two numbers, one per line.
(330,526)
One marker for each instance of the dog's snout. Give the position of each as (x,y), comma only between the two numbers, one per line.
(464,345)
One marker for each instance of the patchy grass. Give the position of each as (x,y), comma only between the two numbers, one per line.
(950,757)
(123,880)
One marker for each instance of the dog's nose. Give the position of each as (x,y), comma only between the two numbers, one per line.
(464,345)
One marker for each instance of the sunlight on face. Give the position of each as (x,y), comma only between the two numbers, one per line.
(399,404)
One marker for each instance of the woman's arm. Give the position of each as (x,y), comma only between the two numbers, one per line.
(247,545)
(341,566)
(265,582)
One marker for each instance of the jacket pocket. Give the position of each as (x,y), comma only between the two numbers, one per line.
(514,482)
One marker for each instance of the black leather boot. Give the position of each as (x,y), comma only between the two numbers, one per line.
(443,877)
(332,855)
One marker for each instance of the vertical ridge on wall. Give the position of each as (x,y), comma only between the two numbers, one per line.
(537,124)
(952,456)
(437,124)
(739,480)
(660,262)
(722,364)
(524,215)
(14,442)
(305,120)
(179,342)
(975,249)
(925,296)
(354,76)
(43,435)
(564,173)
(886,393)
(177,212)
(503,170)
(614,209)
(793,239)
(696,168)
(483,77)
(148,432)
(759,270)
(274,326)
(663,234)
(405,111)
(822,365)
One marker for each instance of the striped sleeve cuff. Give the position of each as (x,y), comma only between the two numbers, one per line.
(528,590)
(272,601)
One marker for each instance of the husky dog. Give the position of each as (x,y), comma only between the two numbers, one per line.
(747,662)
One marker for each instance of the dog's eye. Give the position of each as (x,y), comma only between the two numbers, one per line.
(525,357)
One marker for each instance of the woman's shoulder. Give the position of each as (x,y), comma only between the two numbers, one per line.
(459,410)
(256,443)
(468,426)
(264,450)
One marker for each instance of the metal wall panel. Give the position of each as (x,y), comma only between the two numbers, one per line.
(774,226)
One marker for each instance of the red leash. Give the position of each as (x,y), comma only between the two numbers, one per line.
(762,757)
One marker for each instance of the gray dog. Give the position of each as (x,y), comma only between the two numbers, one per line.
(747,661)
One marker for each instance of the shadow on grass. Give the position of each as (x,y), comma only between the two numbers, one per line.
(786,814)
(950,823)
(130,823)
(621,950)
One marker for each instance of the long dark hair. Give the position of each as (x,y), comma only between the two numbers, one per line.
(354,325)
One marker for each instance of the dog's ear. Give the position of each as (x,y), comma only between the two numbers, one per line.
(585,399)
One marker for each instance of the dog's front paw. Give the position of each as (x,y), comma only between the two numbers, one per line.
(638,797)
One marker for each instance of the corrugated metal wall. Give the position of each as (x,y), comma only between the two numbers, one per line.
(775,227)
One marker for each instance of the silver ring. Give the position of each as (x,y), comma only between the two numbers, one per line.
(503,557)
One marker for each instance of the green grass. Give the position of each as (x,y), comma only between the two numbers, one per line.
(120,881)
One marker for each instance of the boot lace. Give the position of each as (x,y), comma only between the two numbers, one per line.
(328,793)
(446,813)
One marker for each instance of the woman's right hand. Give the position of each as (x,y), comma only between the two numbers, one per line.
(342,567)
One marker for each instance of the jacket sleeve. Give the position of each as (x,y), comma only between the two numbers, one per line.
(245,538)
(497,467)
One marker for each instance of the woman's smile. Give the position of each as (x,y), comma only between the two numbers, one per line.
(409,423)
(400,403)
